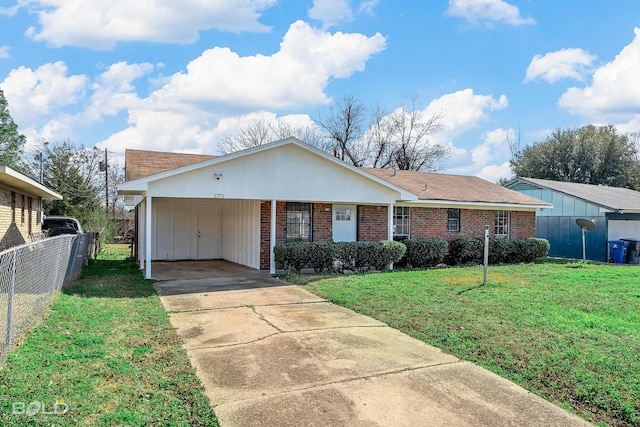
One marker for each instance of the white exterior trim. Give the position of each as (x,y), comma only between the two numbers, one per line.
(147,237)
(272,239)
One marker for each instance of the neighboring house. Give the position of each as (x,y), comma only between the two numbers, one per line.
(237,207)
(615,211)
(20,206)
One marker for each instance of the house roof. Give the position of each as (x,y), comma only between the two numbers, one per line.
(143,163)
(614,198)
(455,188)
(11,178)
(441,189)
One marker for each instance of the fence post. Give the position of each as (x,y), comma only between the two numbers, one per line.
(11,291)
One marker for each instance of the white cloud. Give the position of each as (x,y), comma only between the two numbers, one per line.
(614,93)
(331,12)
(368,6)
(9,11)
(494,173)
(563,63)
(293,77)
(191,111)
(487,12)
(99,24)
(462,110)
(495,140)
(4,52)
(33,94)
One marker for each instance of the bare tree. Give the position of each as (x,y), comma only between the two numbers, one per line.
(346,125)
(261,131)
(404,139)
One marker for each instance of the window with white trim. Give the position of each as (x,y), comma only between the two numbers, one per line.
(343,214)
(453,220)
(401,222)
(501,228)
(298,222)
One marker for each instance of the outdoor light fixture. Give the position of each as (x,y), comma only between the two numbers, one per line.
(218,175)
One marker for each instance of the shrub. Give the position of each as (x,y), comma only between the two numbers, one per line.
(505,251)
(425,252)
(466,251)
(356,256)
(292,256)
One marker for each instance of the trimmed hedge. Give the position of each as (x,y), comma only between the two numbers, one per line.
(355,256)
(501,251)
(425,252)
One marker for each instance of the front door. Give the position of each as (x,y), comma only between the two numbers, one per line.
(344,223)
(209,236)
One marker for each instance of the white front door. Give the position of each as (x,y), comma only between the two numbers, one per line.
(209,237)
(344,223)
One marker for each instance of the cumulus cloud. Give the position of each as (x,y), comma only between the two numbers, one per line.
(9,11)
(100,24)
(33,94)
(563,63)
(294,76)
(487,12)
(462,110)
(189,108)
(494,173)
(4,52)
(614,93)
(331,12)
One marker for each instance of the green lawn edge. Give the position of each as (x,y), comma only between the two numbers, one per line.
(567,331)
(105,354)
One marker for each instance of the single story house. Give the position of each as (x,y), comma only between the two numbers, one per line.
(615,212)
(238,206)
(20,206)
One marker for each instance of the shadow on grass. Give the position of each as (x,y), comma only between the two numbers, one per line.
(111,279)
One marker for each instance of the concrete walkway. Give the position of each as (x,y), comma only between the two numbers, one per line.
(270,354)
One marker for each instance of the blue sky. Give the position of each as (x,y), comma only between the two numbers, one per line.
(179,76)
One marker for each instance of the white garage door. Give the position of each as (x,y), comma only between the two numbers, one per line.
(620,229)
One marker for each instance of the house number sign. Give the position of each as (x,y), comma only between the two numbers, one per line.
(218,196)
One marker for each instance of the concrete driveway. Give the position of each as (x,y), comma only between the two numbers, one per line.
(271,354)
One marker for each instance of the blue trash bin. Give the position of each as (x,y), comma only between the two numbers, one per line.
(618,251)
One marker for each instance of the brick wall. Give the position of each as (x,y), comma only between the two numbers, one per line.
(372,223)
(16,223)
(432,222)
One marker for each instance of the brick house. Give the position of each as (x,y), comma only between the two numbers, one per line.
(238,206)
(20,207)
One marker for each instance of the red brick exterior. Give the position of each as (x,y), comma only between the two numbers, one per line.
(372,224)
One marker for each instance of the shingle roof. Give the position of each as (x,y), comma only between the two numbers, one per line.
(611,197)
(142,163)
(439,187)
(453,188)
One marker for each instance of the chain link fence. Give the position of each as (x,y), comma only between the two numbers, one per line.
(30,276)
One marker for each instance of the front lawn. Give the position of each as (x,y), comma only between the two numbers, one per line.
(105,354)
(568,332)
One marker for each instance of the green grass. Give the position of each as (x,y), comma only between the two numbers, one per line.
(568,332)
(106,350)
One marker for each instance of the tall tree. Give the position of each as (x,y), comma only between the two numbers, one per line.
(73,172)
(345,126)
(589,155)
(11,141)
(262,131)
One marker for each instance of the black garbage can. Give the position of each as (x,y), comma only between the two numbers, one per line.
(633,252)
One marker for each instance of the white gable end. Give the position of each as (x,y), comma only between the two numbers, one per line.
(287,172)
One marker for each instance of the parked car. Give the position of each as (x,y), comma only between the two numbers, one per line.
(56,225)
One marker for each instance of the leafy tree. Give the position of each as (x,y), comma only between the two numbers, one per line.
(589,155)
(11,141)
(73,172)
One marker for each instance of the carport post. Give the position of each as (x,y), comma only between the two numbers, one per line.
(147,237)
(390,227)
(272,243)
